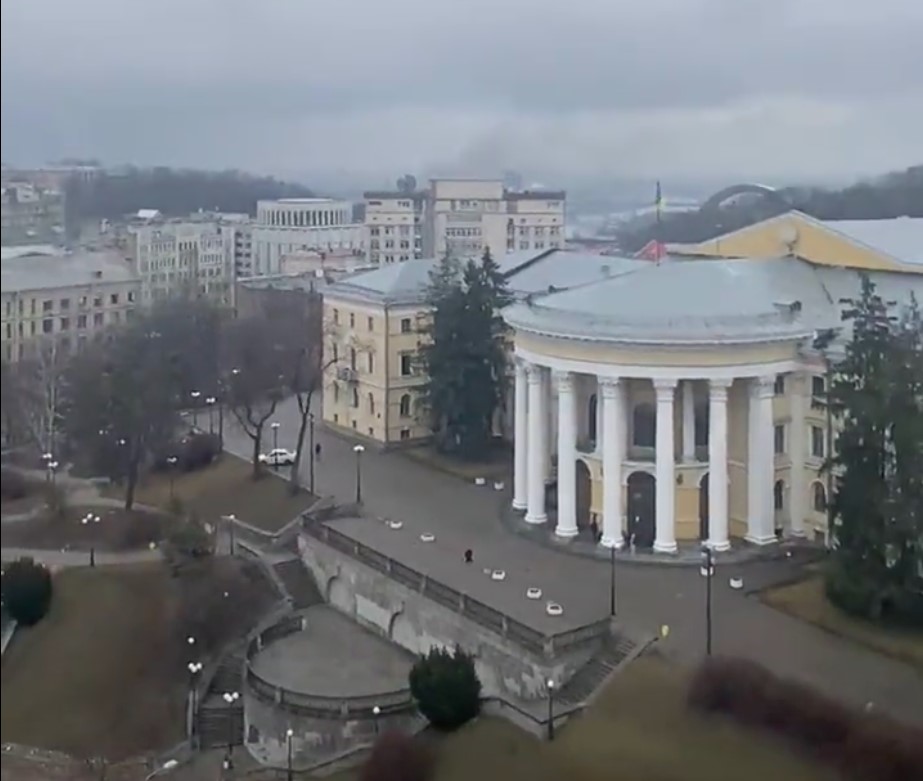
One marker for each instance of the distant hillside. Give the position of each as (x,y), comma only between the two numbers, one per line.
(892,195)
(173,192)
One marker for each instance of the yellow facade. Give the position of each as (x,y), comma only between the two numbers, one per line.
(799,235)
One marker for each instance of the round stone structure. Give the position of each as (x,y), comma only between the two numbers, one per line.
(330,682)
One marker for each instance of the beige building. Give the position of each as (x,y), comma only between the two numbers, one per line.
(462,217)
(667,402)
(70,298)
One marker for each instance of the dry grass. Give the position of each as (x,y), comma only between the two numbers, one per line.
(226,488)
(117,530)
(806,600)
(104,673)
(639,730)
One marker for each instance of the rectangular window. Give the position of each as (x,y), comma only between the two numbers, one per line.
(81,321)
(131,296)
(405,433)
(65,323)
(352,320)
(336,353)
(65,304)
(371,324)
(98,301)
(780,385)
(818,387)
(47,325)
(336,316)
(98,318)
(47,306)
(405,325)
(779,439)
(406,364)
(818,442)
(114,298)
(371,363)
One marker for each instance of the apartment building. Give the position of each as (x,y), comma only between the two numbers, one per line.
(291,225)
(462,217)
(194,256)
(31,214)
(70,297)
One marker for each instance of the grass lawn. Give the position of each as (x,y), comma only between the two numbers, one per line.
(103,674)
(806,600)
(116,530)
(225,488)
(638,730)
(494,467)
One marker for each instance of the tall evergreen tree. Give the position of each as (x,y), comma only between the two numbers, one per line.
(465,355)
(877,392)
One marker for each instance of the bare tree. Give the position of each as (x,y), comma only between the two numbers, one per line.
(36,388)
(256,354)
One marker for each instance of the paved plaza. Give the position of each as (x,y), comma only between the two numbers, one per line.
(649,596)
(333,657)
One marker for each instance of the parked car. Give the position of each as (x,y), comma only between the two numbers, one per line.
(278,457)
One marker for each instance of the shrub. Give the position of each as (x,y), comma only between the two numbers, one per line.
(13,485)
(187,541)
(398,757)
(26,591)
(862,745)
(862,597)
(194,451)
(446,688)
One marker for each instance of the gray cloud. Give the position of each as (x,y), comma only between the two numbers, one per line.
(652,87)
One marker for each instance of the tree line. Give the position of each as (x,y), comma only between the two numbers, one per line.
(118,403)
(897,194)
(174,192)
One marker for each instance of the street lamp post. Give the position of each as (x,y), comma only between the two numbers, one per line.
(612,580)
(358,450)
(376,712)
(195,407)
(311,450)
(550,709)
(52,468)
(194,669)
(708,572)
(230,698)
(289,733)
(88,520)
(275,434)
(230,520)
(210,401)
(171,466)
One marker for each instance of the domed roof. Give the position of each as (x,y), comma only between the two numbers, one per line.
(694,301)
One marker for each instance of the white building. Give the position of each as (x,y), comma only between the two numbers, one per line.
(292,224)
(185,257)
(462,217)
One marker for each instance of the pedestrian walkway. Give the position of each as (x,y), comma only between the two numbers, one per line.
(58,559)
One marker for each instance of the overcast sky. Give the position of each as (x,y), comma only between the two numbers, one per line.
(796,89)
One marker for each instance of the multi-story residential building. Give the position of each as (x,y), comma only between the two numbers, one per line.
(394,225)
(68,297)
(31,215)
(195,256)
(462,217)
(292,224)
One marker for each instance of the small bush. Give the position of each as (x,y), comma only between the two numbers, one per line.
(187,541)
(446,688)
(398,757)
(26,591)
(13,485)
(861,745)
(861,597)
(194,451)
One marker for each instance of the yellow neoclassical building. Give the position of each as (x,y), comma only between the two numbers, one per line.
(670,401)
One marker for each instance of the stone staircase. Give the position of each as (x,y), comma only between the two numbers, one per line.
(298,583)
(589,678)
(217,723)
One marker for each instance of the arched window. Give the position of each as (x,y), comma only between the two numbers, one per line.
(405,405)
(352,358)
(371,404)
(592,412)
(336,393)
(778,495)
(644,426)
(701,425)
(819,495)
(355,398)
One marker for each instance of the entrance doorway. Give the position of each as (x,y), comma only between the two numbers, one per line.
(641,508)
(704,530)
(584,493)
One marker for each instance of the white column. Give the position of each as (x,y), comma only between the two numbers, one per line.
(688,421)
(521,438)
(718,465)
(762,463)
(797,450)
(665,535)
(567,456)
(535,441)
(612,405)
(546,427)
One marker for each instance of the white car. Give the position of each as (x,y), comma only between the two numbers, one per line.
(278,457)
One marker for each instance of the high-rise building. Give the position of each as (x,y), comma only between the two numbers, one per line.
(462,217)
(291,225)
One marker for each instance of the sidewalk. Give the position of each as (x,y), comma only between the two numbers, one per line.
(57,559)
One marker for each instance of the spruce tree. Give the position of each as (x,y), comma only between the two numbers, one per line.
(877,393)
(465,354)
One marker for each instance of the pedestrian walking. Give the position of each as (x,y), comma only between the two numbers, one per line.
(469,556)
(317,452)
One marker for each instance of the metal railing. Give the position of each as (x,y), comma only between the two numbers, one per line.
(528,638)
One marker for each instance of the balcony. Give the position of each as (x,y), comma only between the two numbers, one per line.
(347,374)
